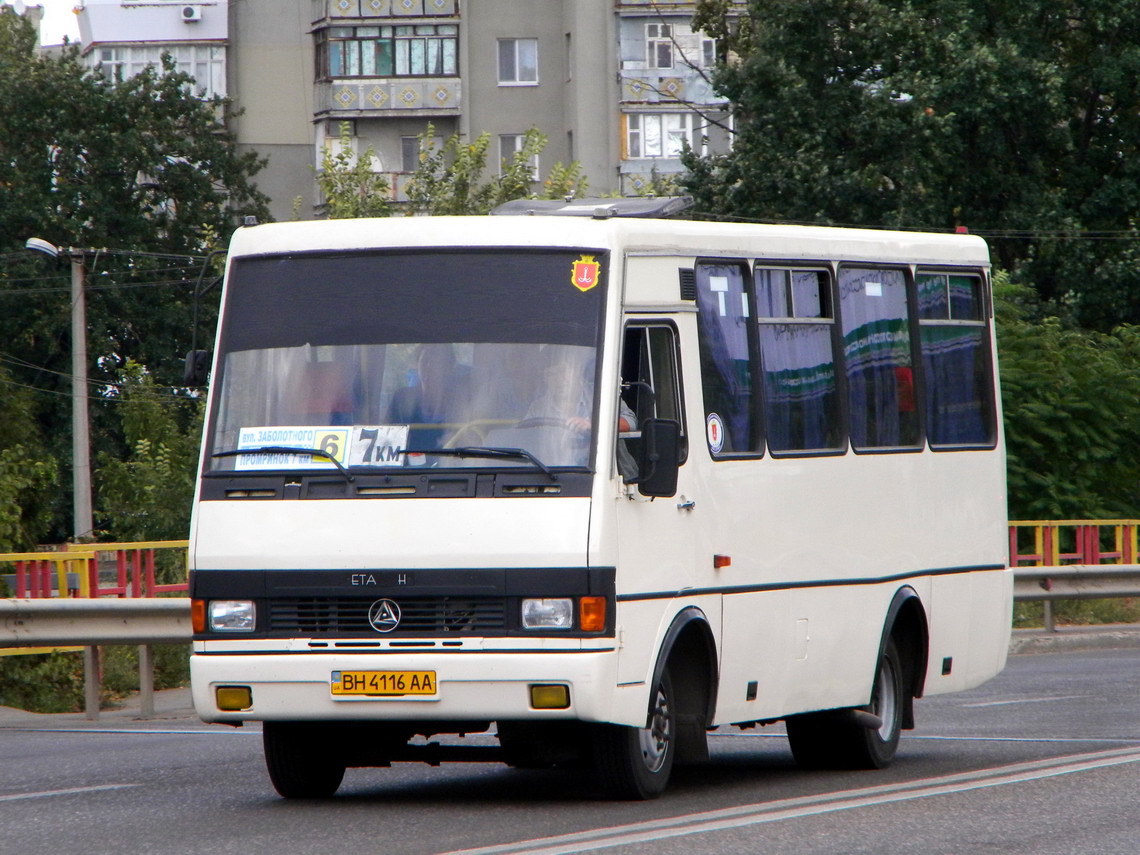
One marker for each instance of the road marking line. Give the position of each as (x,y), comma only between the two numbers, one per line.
(981,704)
(794,808)
(121,731)
(15,797)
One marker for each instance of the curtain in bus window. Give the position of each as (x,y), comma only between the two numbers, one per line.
(955,359)
(877,349)
(801,406)
(725,360)
(801,400)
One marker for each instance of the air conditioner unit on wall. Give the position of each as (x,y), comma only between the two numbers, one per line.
(191,13)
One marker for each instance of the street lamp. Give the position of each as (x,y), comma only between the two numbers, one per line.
(83,524)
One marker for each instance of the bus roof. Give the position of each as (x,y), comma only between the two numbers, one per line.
(683,238)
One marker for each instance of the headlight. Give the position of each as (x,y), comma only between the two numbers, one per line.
(548,614)
(232,616)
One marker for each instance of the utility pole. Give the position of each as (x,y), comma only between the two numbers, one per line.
(83,524)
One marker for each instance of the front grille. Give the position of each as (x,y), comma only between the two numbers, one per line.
(423,615)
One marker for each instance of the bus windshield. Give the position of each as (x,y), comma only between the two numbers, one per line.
(379,359)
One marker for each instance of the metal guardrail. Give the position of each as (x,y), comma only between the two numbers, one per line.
(1067,559)
(63,622)
(89,622)
(1076,582)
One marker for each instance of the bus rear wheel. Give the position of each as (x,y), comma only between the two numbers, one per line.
(635,763)
(852,739)
(301,759)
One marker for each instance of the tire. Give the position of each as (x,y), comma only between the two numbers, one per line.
(301,759)
(838,740)
(634,763)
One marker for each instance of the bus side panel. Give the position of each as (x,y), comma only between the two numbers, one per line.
(801,649)
(969,625)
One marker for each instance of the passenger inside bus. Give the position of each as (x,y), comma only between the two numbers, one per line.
(436,395)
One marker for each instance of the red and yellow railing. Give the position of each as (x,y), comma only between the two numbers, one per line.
(94,570)
(1056,543)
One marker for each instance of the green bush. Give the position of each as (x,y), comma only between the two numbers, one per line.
(53,682)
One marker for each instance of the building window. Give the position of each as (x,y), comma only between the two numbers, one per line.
(205,63)
(659,45)
(429,50)
(708,53)
(410,152)
(662,134)
(518,61)
(509,146)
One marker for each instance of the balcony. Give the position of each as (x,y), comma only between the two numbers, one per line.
(340,9)
(356,97)
(664,86)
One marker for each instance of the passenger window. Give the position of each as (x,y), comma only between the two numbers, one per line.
(878,356)
(955,360)
(726,371)
(797,362)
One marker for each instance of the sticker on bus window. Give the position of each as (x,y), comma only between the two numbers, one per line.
(714,427)
(360,445)
(584,273)
(331,441)
(378,445)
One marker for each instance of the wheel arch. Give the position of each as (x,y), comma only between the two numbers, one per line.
(907,624)
(690,649)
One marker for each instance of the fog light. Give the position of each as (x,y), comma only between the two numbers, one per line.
(233,698)
(546,697)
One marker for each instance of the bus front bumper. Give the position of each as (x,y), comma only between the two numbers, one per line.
(490,686)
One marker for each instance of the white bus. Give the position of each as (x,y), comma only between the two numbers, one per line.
(592,486)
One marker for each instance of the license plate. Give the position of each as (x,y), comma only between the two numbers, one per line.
(383,683)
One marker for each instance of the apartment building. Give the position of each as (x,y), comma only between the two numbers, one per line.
(125,36)
(617,85)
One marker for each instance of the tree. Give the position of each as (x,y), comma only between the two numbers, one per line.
(449,178)
(347,183)
(142,176)
(27,472)
(1071,417)
(1018,120)
(148,494)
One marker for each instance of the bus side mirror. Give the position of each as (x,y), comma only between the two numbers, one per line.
(659,457)
(197,368)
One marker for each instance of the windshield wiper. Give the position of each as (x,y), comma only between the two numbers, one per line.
(287,449)
(480,451)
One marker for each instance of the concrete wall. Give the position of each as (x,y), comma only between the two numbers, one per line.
(271,82)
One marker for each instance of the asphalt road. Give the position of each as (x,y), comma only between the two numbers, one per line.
(1044,759)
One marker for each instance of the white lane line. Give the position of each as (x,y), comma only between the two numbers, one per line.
(15,797)
(121,731)
(1014,701)
(745,815)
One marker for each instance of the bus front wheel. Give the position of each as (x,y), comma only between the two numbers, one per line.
(849,739)
(635,763)
(301,760)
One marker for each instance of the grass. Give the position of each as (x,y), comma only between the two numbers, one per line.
(1078,612)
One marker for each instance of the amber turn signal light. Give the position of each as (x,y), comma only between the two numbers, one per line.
(592,614)
(198,615)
